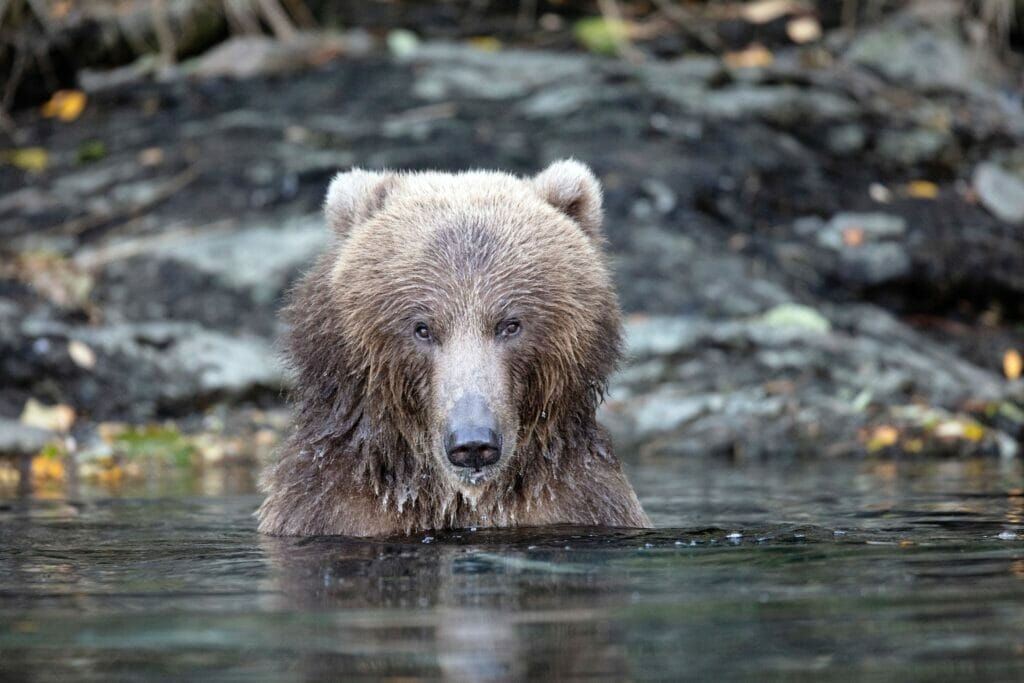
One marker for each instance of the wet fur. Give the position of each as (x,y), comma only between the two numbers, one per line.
(361,459)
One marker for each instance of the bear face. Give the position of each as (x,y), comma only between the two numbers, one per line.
(451,349)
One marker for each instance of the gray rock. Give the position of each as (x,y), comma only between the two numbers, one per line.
(781,104)
(693,69)
(696,383)
(257,258)
(879,255)
(448,70)
(145,367)
(914,146)
(659,335)
(226,365)
(17,439)
(682,80)
(909,51)
(669,408)
(1000,191)
(875,264)
(663,198)
(846,139)
(875,227)
(559,101)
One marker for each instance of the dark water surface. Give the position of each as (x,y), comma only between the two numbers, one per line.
(877,571)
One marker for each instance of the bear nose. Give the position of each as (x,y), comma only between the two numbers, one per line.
(473,447)
(473,436)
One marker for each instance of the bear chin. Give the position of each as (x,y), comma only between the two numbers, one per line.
(450,349)
(474,479)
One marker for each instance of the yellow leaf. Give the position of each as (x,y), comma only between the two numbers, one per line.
(753,57)
(1012,364)
(47,469)
(601,36)
(56,418)
(111,477)
(922,189)
(882,437)
(974,432)
(485,43)
(803,30)
(913,445)
(66,105)
(27,158)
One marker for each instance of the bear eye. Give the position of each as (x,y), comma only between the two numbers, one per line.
(509,328)
(422,332)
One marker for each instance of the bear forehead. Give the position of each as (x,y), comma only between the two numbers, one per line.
(470,220)
(444,245)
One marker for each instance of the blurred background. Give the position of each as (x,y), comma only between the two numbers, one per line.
(816,211)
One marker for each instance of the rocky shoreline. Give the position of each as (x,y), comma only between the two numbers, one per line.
(820,255)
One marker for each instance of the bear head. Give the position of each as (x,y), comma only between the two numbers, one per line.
(461,327)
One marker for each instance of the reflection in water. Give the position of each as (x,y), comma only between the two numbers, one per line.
(761,570)
(476,607)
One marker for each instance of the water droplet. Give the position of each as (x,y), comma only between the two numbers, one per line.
(1007,536)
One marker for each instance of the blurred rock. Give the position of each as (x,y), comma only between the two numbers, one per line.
(846,139)
(17,439)
(1000,191)
(257,259)
(910,147)
(759,221)
(145,369)
(924,53)
(248,56)
(454,71)
(697,385)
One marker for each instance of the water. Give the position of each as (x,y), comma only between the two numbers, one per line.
(881,571)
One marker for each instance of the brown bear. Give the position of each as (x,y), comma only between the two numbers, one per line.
(450,350)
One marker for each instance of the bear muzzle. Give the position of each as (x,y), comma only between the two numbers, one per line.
(473,435)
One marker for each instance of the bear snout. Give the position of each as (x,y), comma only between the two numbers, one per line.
(473,436)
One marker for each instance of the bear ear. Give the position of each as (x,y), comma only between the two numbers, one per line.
(354,196)
(571,187)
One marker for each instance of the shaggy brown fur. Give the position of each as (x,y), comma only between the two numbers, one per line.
(462,254)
